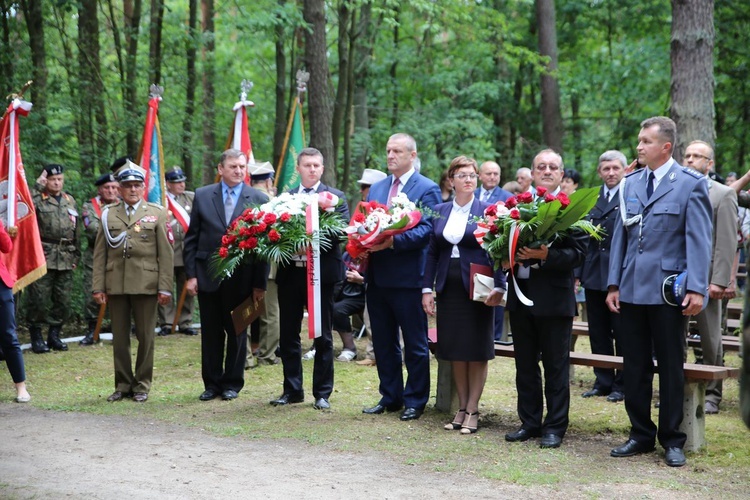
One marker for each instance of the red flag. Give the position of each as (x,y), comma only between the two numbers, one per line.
(239,135)
(26,262)
(150,154)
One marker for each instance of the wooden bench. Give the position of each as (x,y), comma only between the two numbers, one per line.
(728,342)
(696,376)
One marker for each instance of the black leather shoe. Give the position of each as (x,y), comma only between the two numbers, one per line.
(53,339)
(550,441)
(208,395)
(287,399)
(118,396)
(229,395)
(411,414)
(88,339)
(521,435)
(140,397)
(189,331)
(378,409)
(675,457)
(615,397)
(164,331)
(38,346)
(630,448)
(322,404)
(593,393)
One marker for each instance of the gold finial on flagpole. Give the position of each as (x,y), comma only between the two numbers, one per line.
(20,93)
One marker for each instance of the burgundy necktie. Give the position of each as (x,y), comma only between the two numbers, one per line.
(394,190)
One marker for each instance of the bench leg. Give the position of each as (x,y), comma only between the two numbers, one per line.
(693,417)
(446,398)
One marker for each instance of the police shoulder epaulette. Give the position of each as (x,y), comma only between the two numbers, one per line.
(693,172)
(112,205)
(637,171)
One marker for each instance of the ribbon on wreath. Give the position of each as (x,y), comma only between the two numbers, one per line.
(312,225)
(515,232)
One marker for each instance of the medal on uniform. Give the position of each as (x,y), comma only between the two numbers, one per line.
(137,227)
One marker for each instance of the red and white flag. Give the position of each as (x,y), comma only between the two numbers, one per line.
(26,262)
(239,135)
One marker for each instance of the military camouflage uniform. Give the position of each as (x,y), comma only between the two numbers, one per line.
(48,301)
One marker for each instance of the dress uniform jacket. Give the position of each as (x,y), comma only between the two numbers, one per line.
(143,264)
(185,200)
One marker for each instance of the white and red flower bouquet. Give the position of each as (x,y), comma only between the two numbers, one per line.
(277,230)
(529,220)
(373,222)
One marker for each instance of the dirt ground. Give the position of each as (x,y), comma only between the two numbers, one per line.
(48,454)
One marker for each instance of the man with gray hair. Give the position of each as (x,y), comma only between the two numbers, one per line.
(524,179)
(604,325)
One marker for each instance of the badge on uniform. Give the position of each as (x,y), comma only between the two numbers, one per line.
(672,176)
(73,216)
(137,227)
(673,289)
(149,218)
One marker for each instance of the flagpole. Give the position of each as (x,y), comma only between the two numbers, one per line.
(17,95)
(286,141)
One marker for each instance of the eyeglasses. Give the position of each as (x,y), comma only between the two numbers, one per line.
(696,156)
(463,177)
(547,166)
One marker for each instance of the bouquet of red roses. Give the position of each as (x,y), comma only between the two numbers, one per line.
(529,220)
(276,231)
(373,222)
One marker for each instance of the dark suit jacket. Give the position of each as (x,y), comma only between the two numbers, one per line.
(207,226)
(595,268)
(551,286)
(331,264)
(497,194)
(403,265)
(439,250)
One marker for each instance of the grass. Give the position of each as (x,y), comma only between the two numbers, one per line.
(81,379)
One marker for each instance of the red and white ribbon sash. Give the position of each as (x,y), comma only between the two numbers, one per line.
(314,324)
(179,213)
(515,232)
(97,206)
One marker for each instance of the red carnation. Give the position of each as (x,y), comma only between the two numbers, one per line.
(564,200)
(359,217)
(549,197)
(246,231)
(526,197)
(259,215)
(223,252)
(274,236)
(228,239)
(494,229)
(491,210)
(515,214)
(262,226)
(269,218)
(511,202)
(244,245)
(285,217)
(252,242)
(248,217)
(374,204)
(541,190)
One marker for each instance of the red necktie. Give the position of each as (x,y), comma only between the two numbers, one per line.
(394,190)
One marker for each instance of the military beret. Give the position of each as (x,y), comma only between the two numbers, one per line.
(105,179)
(131,173)
(119,163)
(53,169)
(175,175)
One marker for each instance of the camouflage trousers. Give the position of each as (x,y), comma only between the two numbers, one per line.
(48,299)
(91,311)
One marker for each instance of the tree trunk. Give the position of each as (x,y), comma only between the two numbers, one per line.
(132,11)
(366,33)
(187,123)
(552,126)
(348,118)
(394,68)
(154,50)
(6,56)
(319,107)
(32,11)
(575,111)
(692,89)
(339,106)
(279,129)
(209,113)
(118,47)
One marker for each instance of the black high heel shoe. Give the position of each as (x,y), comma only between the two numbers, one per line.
(457,422)
(467,427)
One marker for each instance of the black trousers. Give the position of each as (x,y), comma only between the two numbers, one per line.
(292,303)
(658,329)
(604,335)
(221,371)
(8,339)
(547,337)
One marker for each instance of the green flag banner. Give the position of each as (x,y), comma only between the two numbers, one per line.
(287,176)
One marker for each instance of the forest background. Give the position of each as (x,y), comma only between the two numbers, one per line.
(491,79)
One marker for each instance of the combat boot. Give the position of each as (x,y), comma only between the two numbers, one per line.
(53,339)
(89,338)
(37,341)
